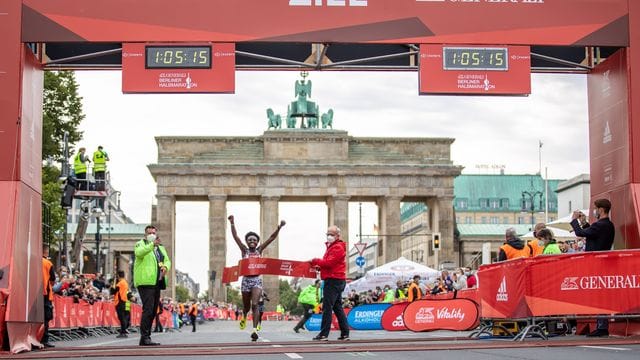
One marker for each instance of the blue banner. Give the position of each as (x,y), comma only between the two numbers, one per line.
(367,317)
(314,322)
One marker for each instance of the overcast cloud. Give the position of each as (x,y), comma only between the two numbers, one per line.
(488,130)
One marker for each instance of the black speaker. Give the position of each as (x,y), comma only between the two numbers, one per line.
(67,193)
(213,275)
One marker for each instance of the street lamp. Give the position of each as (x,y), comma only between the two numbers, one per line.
(110,207)
(531,195)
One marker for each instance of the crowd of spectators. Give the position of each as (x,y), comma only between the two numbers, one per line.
(459,279)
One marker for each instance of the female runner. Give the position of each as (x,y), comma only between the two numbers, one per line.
(252,285)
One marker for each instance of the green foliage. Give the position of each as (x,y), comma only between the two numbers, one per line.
(289,298)
(62,111)
(234,296)
(182,294)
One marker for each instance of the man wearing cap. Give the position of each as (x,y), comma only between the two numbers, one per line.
(599,237)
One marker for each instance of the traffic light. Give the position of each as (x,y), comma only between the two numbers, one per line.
(435,241)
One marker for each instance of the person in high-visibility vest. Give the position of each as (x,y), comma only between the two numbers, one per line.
(193,314)
(308,298)
(48,277)
(80,168)
(120,290)
(100,159)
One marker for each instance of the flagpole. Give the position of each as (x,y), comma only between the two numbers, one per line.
(540,157)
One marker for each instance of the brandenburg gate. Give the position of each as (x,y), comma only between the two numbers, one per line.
(304,165)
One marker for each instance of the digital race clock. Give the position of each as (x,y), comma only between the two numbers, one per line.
(177,57)
(475,58)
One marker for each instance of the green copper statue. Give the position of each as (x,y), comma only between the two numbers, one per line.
(302,108)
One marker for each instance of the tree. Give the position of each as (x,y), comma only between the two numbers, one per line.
(62,111)
(182,294)
(234,297)
(289,298)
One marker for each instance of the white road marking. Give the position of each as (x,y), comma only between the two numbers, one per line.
(293,356)
(605,348)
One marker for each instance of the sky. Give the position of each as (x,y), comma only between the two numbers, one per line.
(488,132)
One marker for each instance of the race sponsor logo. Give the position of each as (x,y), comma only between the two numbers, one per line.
(286,267)
(176,80)
(601,282)
(502,294)
(398,322)
(425,316)
(569,283)
(257,266)
(475,81)
(446,313)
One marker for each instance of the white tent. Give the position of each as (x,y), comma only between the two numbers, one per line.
(389,274)
(564,222)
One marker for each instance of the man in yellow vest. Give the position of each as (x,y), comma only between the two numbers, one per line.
(100,159)
(80,168)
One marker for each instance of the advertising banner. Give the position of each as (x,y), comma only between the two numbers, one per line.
(266,266)
(502,293)
(230,274)
(392,318)
(454,314)
(549,22)
(367,316)
(586,284)
(315,321)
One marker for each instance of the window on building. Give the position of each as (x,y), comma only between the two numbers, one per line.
(505,220)
(504,203)
(520,220)
(483,220)
(552,218)
(468,220)
(526,204)
(494,220)
(462,203)
(570,208)
(483,203)
(494,203)
(380,247)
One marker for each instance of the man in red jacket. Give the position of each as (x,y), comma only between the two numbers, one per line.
(332,270)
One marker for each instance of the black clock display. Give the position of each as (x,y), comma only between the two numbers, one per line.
(178,57)
(465,58)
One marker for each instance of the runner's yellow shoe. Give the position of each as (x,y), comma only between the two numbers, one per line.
(243,323)
(259,327)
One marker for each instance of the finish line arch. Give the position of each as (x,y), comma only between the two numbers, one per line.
(565,36)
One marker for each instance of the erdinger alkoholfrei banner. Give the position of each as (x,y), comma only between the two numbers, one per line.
(515,22)
(367,316)
(267,266)
(451,314)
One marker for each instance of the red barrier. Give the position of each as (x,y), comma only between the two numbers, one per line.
(593,283)
(3,307)
(67,315)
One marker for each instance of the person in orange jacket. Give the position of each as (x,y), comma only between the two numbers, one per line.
(120,298)
(193,314)
(48,277)
(414,293)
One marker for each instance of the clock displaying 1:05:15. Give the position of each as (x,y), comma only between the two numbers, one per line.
(470,58)
(177,57)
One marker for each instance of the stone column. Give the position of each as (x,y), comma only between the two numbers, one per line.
(338,214)
(166,228)
(444,223)
(217,245)
(390,229)
(269,220)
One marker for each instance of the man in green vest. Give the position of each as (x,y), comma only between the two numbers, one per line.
(309,298)
(149,277)
(100,159)
(80,168)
